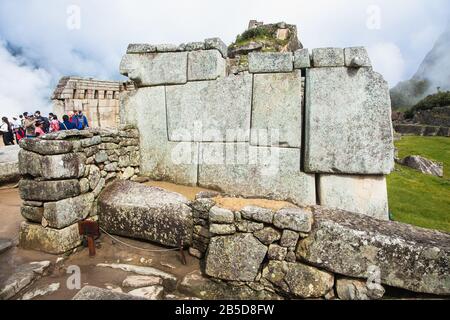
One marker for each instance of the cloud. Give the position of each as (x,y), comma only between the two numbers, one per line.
(22,87)
(388,60)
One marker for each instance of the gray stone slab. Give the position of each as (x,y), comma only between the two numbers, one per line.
(207,110)
(302,59)
(361,194)
(91,293)
(277,109)
(357,57)
(133,210)
(33,214)
(141,48)
(205,65)
(47,147)
(33,190)
(328,57)
(63,213)
(348,122)
(146,108)
(154,69)
(267,62)
(217,43)
(357,246)
(256,171)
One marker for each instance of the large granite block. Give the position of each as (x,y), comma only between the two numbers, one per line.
(348,122)
(133,210)
(256,171)
(63,213)
(267,62)
(33,190)
(277,110)
(53,241)
(205,65)
(361,194)
(358,246)
(154,69)
(160,159)
(328,57)
(47,147)
(63,166)
(357,57)
(208,110)
(302,59)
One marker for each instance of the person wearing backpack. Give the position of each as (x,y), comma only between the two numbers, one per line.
(54,124)
(81,121)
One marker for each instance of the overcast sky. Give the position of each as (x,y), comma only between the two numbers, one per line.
(42,40)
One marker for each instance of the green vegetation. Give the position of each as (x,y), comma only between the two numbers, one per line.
(440,99)
(416,198)
(266,35)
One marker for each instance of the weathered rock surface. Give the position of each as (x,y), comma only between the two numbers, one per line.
(357,57)
(150,293)
(36,237)
(222,229)
(47,147)
(237,257)
(205,110)
(93,293)
(267,62)
(133,210)
(33,214)
(277,110)
(361,194)
(63,213)
(141,48)
(141,281)
(348,122)
(302,59)
(9,164)
(67,134)
(268,235)
(328,57)
(295,219)
(258,214)
(195,284)
(154,69)
(256,171)
(41,291)
(424,165)
(354,289)
(299,280)
(24,276)
(56,190)
(349,244)
(221,215)
(218,44)
(206,65)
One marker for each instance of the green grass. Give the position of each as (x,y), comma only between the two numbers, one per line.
(416,198)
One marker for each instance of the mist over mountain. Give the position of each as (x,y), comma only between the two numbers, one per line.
(434,72)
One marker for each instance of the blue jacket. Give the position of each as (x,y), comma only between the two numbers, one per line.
(67,125)
(80,122)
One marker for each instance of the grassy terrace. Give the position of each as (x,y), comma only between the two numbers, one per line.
(419,199)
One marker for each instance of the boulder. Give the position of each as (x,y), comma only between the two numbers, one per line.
(53,241)
(34,190)
(134,210)
(424,165)
(90,293)
(353,245)
(354,289)
(299,280)
(236,258)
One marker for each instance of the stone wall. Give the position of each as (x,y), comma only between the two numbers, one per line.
(296,127)
(63,174)
(317,252)
(9,164)
(422,130)
(438,117)
(98,99)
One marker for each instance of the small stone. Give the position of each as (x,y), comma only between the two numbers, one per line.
(355,289)
(268,235)
(206,195)
(195,253)
(290,256)
(203,206)
(263,215)
(249,226)
(222,229)
(277,252)
(289,239)
(221,215)
(101,157)
(141,281)
(296,219)
(84,185)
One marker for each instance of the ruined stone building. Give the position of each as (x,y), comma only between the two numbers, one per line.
(98,99)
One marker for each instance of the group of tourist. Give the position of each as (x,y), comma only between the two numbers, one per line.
(35,125)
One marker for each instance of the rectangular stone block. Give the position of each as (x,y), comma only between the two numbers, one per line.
(154,69)
(218,44)
(46,147)
(53,241)
(33,214)
(207,110)
(348,122)
(146,108)
(267,62)
(277,110)
(302,59)
(32,190)
(205,65)
(357,57)
(141,48)
(328,57)
(68,211)
(248,171)
(361,194)
(63,166)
